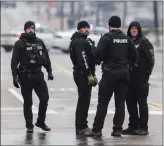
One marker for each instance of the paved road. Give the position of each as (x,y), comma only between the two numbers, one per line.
(61,109)
(62,104)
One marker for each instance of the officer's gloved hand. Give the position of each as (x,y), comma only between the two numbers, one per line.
(50,76)
(95,81)
(91,80)
(16,81)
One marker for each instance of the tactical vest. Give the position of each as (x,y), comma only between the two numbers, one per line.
(35,53)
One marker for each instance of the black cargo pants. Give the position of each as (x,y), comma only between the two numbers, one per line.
(115,81)
(84,97)
(137,95)
(28,83)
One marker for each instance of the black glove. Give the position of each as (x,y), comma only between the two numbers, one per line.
(50,76)
(16,81)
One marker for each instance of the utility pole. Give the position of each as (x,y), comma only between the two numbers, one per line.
(62,16)
(156,24)
(98,14)
(124,14)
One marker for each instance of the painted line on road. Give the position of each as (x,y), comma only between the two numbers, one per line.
(12,110)
(20,111)
(68,99)
(156,104)
(96,99)
(20,98)
(112,111)
(69,71)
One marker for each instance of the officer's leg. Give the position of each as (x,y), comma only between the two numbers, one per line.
(105,93)
(131,102)
(41,90)
(26,90)
(143,106)
(84,93)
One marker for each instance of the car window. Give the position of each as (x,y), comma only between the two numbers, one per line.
(38,30)
(46,30)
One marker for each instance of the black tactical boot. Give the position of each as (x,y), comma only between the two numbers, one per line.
(116,133)
(93,134)
(29,130)
(128,131)
(82,131)
(42,126)
(140,131)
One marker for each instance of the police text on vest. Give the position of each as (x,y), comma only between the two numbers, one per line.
(120,41)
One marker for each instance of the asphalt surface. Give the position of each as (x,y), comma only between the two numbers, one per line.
(61,110)
(62,105)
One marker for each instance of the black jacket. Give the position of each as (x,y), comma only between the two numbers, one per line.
(145,50)
(115,49)
(82,53)
(20,53)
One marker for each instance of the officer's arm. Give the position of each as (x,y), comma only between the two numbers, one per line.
(48,62)
(132,54)
(15,58)
(100,50)
(149,53)
(81,56)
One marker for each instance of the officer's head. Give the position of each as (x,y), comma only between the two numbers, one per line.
(134,29)
(29,26)
(83,27)
(114,22)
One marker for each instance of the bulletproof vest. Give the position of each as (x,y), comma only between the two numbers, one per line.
(35,53)
(116,54)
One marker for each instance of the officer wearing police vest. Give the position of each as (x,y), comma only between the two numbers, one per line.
(29,55)
(82,56)
(139,82)
(117,53)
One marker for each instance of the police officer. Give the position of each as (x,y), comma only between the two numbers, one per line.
(117,52)
(139,86)
(29,55)
(82,56)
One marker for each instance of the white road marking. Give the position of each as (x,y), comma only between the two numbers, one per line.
(18,110)
(69,89)
(20,98)
(70,99)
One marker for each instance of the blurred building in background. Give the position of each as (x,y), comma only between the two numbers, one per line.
(64,15)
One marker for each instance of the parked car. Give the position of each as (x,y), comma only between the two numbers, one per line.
(8,4)
(62,39)
(43,32)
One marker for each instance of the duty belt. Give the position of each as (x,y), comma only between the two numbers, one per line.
(29,70)
(116,67)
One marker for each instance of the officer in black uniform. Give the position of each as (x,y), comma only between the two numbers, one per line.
(139,86)
(117,52)
(29,55)
(82,56)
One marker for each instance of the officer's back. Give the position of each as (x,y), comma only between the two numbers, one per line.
(117,52)
(115,49)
